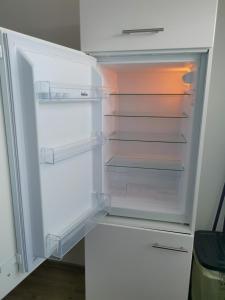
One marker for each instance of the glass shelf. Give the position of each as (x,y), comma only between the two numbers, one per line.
(147,137)
(150,94)
(143,163)
(146,115)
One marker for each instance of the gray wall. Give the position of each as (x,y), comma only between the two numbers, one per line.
(53,20)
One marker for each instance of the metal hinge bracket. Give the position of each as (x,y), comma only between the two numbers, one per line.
(103,199)
(19,259)
(1,52)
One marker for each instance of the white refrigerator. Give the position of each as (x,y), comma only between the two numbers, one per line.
(117,137)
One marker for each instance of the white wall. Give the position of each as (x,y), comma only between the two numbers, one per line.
(53,20)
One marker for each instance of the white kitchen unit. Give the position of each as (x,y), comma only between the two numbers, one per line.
(137,263)
(143,248)
(116,140)
(146,24)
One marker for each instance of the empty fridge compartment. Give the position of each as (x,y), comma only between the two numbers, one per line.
(146,193)
(151,106)
(148,124)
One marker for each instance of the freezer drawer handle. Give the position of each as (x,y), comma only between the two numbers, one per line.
(143,30)
(176,249)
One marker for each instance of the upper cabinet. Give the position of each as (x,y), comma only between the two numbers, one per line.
(120,25)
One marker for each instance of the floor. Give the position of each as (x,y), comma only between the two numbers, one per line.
(52,280)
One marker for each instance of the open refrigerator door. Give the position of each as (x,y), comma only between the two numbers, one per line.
(52,99)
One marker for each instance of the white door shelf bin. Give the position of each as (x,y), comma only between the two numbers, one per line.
(57,154)
(57,92)
(57,245)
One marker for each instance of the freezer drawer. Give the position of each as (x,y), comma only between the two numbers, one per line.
(131,263)
(147,24)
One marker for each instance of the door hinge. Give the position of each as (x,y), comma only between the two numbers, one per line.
(102,199)
(1,52)
(18,259)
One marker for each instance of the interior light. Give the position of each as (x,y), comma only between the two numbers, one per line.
(188,77)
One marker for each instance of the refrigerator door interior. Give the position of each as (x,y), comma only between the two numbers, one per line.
(52,97)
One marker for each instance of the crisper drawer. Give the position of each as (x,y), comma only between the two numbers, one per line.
(126,263)
(146,24)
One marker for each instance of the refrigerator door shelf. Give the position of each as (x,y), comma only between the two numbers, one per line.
(58,92)
(57,154)
(57,245)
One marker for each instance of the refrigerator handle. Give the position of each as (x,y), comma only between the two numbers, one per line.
(143,30)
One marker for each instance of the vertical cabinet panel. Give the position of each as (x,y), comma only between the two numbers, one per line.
(128,263)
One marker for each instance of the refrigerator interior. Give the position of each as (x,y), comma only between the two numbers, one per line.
(151,122)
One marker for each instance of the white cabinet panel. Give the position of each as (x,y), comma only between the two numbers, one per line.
(187,24)
(131,263)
